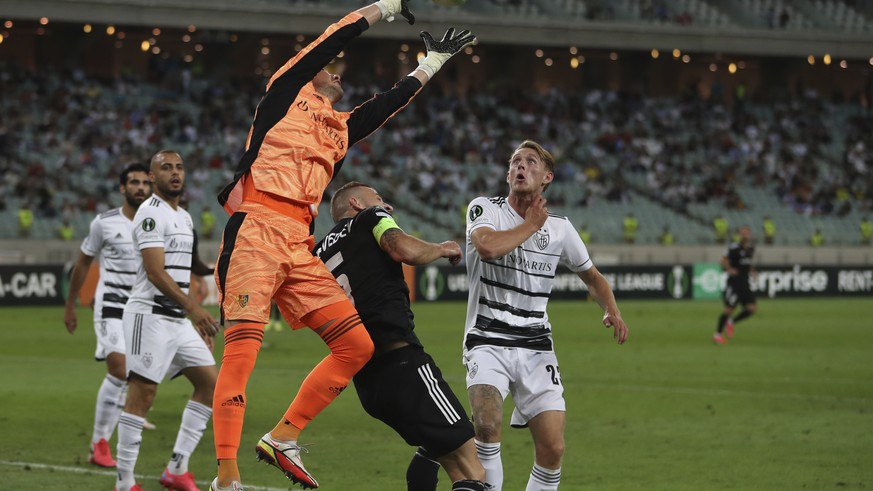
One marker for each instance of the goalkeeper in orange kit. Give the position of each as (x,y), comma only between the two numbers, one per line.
(295,147)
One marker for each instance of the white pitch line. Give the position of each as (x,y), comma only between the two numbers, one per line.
(81,470)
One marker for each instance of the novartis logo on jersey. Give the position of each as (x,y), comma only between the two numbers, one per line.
(527,264)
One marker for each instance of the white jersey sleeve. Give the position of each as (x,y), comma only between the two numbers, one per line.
(481,212)
(94,241)
(574,254)
(149,228)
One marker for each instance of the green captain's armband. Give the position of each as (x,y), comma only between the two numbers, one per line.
(384,225)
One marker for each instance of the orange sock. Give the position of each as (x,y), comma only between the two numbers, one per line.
(350,349)
(241,345)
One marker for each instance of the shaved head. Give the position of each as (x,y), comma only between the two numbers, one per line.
(340,203)
(167,173)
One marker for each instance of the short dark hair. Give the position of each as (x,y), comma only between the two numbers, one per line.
(135,167)
(337,207)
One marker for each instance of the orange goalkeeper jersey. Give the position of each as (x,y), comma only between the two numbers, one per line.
(297,141)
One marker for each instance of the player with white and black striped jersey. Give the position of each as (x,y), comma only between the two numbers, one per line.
(160,342)
(401,385)
(109,237)
(514,246)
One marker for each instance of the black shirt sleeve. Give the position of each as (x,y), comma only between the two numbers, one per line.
(371,115)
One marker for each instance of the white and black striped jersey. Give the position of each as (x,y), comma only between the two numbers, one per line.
(157,224)
(508,295)
(109,236)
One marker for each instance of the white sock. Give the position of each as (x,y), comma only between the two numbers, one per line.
(542,479)
(489,455)
(194,420)
(106,411)
(129,441)
(122,398)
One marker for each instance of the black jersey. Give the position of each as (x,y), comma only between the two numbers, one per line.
(372,280)
(740,258)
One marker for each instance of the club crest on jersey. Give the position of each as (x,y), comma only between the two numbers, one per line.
(147,360)
(541,238)
(148,224)
(473,369)
(242,300)
(475,212)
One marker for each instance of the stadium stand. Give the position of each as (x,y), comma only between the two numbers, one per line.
(675,160)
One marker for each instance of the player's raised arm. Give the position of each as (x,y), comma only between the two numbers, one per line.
(439,52)
(407,249)
(387,9)
(372,114)
(491,243)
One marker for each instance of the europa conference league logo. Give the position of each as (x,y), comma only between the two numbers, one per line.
(432,283)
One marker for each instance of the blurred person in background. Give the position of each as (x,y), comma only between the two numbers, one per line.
(737,263)
(721,227)
(769,228)
(866,228)
(817,239)
(630,227)
(666,238)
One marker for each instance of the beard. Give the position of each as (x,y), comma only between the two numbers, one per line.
(171,193)
(135,201)
(333,93)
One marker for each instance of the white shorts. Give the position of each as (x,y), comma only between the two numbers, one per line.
(110,338)
(160,347)
(532,377)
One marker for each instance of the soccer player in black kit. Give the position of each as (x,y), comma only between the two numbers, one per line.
(401,385)
(737,262)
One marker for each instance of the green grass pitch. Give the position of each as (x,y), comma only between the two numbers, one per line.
(786,405)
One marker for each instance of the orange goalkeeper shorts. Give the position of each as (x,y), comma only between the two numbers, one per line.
(266,255)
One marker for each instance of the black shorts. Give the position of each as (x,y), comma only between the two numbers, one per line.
(405,389)
(739,293)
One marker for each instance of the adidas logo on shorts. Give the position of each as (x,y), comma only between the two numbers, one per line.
(237,401)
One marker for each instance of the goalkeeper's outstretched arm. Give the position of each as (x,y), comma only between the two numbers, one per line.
(439,52)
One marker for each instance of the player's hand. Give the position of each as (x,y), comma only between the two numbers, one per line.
(210,342)
(438,52)
(391,7)
(619,328)
(452,251)
(70,319)
(451,43)
(406,13)
(537,213)
(203,321)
